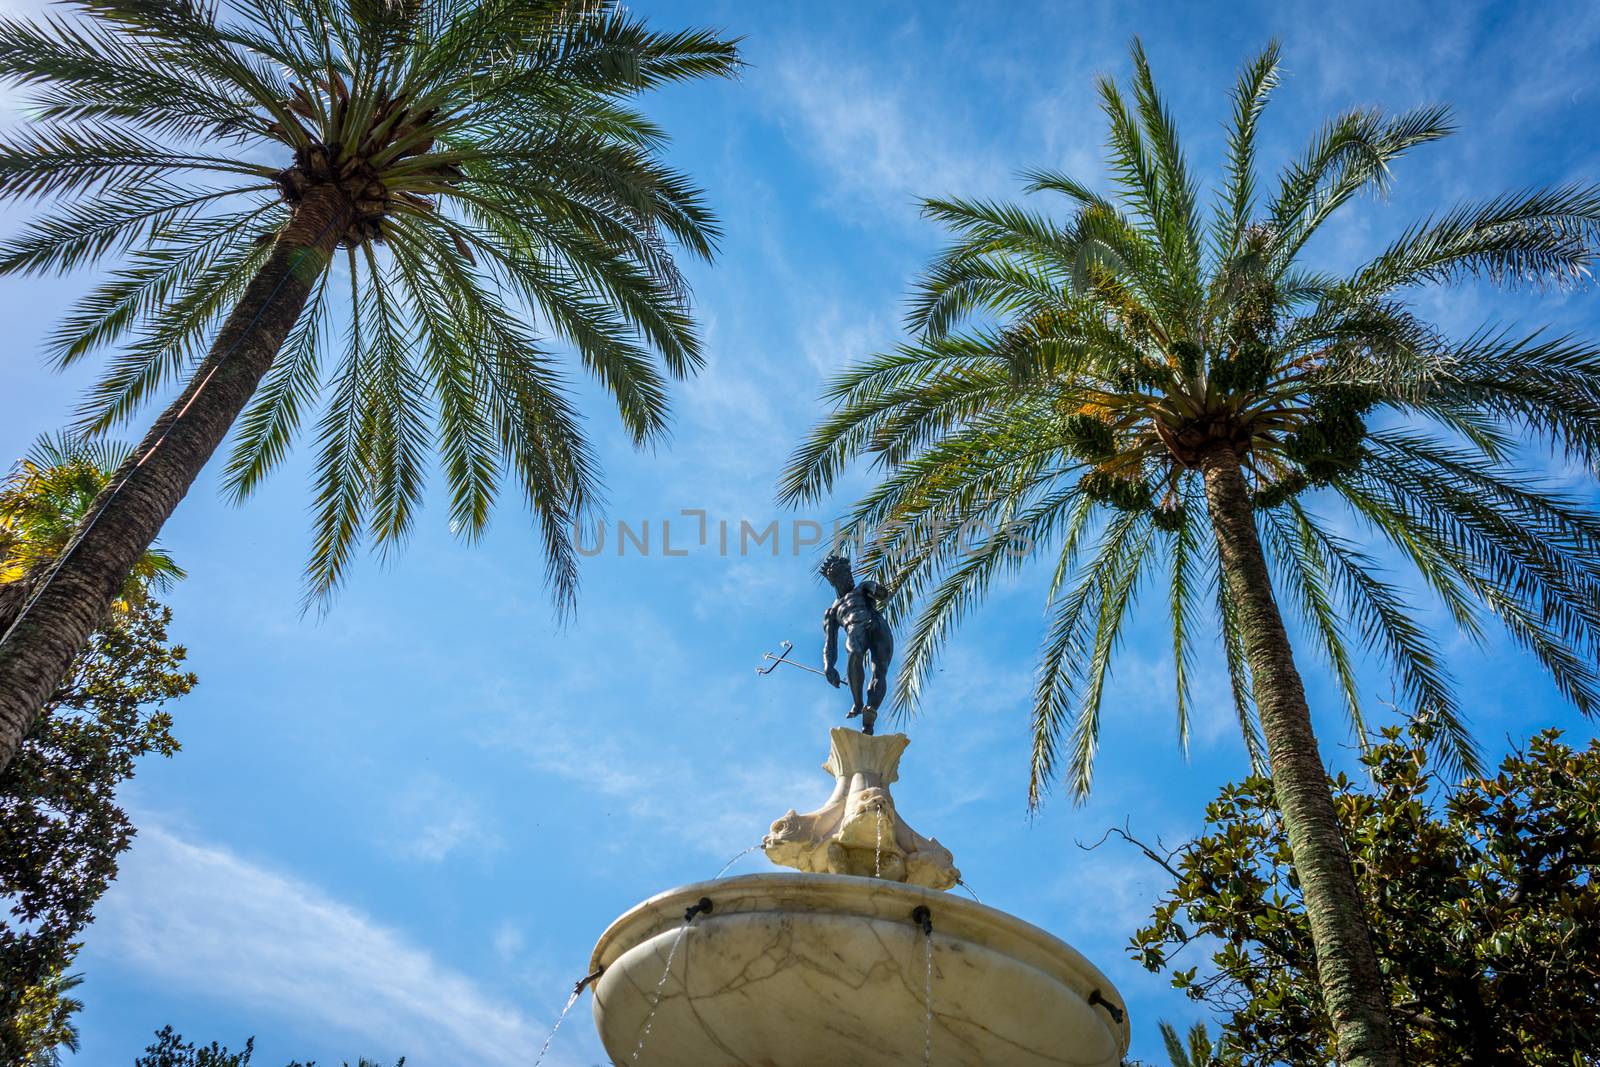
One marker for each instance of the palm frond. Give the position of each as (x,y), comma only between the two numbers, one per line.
(1088,616)
(1236,198)
(1537,236)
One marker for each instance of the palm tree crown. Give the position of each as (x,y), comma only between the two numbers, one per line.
(1067,378)
(480,166)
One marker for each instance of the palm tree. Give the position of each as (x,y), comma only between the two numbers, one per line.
(477,162)
(44,1024)
(1199,1052)
(1105,391)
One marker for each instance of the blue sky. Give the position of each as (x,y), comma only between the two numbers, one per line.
(398,829)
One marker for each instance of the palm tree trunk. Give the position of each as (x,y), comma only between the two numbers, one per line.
(1347,969)
(37,649)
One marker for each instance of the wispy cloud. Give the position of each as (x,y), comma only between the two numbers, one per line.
(437,820)
(200,919)
(656,783)
(881,146)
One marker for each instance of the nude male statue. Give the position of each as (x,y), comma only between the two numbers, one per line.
(866,632)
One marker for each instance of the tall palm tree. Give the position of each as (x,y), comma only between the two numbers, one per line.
(1138,388)
(477,163)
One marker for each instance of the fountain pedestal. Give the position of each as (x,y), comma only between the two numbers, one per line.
(833,966)
(858,829)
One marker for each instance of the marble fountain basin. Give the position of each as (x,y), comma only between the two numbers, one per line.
(827,970)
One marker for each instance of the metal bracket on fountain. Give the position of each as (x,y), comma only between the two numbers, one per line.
(858,830)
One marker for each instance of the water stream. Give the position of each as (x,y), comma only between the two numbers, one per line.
(571,1000)
(736,859)
(927,1000)
(655,1001)
(877,857)
(968,888)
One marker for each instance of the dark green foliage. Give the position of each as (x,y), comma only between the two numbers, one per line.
(169,1049)
(1243,368)
(1188,355)
(61,829)
(1124,494)
(1483,899)
(1170,520)
(1088,438)
(1329,443)
(1285,489)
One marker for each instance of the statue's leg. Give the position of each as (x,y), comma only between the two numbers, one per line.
(882,654)
(857,671)
(880,642)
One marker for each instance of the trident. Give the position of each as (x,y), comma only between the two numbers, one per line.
(782,657)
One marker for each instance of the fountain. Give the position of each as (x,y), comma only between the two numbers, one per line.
(858,958)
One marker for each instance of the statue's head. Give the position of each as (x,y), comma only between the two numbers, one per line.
(836,569)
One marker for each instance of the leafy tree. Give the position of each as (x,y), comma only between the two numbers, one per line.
(478,163)
(61,829)
(1141,389)
(1483,900)
(170,1050)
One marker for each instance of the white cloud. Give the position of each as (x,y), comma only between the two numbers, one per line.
(655,783)
(201,919)
(509,941)
(438,820)
(881,151)
(835,338)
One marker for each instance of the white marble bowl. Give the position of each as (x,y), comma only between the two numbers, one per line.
(819,970)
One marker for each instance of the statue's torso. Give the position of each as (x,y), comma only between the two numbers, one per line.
(857,608)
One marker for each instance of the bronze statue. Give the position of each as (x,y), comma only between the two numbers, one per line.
(866,632)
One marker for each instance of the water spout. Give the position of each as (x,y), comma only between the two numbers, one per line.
(1097,998)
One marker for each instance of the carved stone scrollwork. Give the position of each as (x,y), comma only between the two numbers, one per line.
(858,830)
